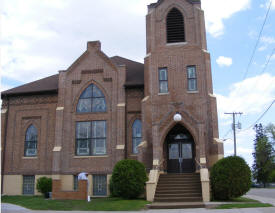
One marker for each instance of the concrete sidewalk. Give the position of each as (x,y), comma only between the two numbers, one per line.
(8,208)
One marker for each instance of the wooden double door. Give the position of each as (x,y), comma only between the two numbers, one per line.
(181,157)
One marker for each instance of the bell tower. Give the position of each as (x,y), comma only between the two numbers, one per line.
(178,80)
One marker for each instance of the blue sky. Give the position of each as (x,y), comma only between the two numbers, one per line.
(39,38)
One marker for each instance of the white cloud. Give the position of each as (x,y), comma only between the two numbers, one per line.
(250,96)
(268,39)
(244,145)
(216,11)
(224,61)
(42,37)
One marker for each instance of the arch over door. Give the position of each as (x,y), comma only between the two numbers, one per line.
(180,151)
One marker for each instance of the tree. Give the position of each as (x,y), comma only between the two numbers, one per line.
(263,156)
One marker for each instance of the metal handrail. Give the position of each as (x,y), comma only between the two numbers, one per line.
(199,164)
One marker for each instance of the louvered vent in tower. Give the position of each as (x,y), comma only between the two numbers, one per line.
(175,26)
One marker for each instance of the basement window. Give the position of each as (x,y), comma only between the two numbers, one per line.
(28,184)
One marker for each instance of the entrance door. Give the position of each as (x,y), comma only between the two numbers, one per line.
(180,157)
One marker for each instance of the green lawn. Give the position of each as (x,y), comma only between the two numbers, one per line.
(239,199)
(97,204)
(243,205)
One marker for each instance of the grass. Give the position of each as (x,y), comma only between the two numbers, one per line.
(239,200)
(96,204)
(243,205)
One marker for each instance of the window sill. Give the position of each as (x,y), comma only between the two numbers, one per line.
(163,93)
(193,92)
(99,156)
(26,158)
(176,43)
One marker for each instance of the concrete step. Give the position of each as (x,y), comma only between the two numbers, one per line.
(183,195)
(178,199)
(177,191)
(176,205)
(178,182)
(198,185)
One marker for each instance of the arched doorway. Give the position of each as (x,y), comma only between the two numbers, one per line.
(180,148)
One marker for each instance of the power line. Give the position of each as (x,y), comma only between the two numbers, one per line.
(266,64)
(227,133)
(258,40)
(261,116)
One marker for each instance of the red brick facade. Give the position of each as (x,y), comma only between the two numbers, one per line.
(55,115)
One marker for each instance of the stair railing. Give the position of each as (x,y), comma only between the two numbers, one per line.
(200,166)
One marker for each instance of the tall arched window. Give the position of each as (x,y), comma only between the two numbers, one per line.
(175,26)
(31,142)
(136,135)
(91,100)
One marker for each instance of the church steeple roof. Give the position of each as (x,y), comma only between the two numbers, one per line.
(154,5)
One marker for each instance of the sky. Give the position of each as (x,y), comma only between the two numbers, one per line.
(39,38)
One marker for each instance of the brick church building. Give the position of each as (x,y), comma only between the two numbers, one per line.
(104,109)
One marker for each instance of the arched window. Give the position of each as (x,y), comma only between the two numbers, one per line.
(136,135)
(31,142)
(91,100)
(175,26)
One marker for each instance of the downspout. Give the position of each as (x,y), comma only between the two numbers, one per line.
(4,146)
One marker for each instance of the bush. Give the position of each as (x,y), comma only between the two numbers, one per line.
(44,185)
(230,178)
(128,179)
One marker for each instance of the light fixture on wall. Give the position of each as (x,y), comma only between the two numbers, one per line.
(177,117)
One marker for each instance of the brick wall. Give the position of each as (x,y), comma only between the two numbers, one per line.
(80,194)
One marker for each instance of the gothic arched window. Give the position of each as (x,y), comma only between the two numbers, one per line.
(31,142)
(91,100)
(175,26)
(136,135)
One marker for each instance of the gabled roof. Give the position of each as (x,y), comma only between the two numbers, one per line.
(154,5)
(134,71)
(45,85)
(134,78)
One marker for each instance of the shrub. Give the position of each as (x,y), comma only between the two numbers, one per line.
(128,179)
(230,178)
(44,185)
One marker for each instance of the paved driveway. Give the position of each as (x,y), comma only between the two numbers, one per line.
(263,195)
(269,193)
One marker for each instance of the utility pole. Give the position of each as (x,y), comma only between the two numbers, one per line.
(234,128)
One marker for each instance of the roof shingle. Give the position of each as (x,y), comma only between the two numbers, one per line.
(134,78)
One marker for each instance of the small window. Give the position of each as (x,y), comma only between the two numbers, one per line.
(163,80)
(136,135)
(192,78)
(91,138)
(175,26)
(31,142)
(100,185)
(28,184)
(91,100)
(75,182)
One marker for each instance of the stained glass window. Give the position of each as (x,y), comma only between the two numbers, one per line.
(91,100)
(91,138)
(136,135)
(31,142)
